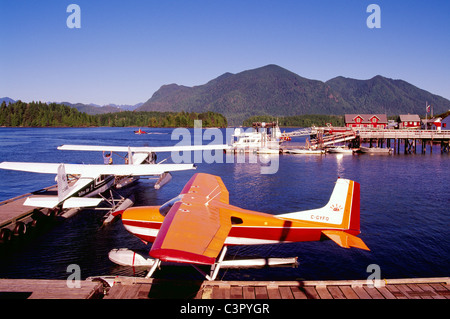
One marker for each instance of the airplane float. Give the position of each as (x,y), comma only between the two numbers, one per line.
(197,226)
(90,180)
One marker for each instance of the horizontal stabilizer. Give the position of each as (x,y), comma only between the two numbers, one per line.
(73,202)
(344,239)
(42,201)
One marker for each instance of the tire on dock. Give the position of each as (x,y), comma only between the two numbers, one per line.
(5,235)
(20,229)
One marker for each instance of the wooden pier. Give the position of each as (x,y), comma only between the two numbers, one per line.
(16,219)
(143,288)
(417,288)
(49,289)
(388,138)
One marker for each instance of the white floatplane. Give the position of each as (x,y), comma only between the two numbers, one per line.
(88,180)
(80,184)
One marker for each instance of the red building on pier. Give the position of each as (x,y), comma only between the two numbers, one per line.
(378,121)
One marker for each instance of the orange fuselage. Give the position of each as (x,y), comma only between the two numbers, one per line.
(248,227)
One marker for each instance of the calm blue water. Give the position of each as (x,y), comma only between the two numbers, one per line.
(405,212)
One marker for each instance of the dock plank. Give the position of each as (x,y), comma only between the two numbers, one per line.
(386,293)
(336,292)
(261,293)
(311,293)
(285,292)
(323,292)
(273,292)
(236,292)
(298,293)
(361,292)
(374,293)
(48,289)
(249,292)
(348,292)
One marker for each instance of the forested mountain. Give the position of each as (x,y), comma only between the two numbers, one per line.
(270,91)
(275,91)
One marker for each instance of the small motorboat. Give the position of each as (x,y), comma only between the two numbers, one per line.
(339,150)
(305,151)
(375,150)
(139,132)
(268,151)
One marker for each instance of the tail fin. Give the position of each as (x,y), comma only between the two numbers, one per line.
(63,184)
(342,209)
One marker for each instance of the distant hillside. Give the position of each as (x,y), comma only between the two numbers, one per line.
(91,109)
(273,90)
(7,100)
(383,95)
(38,114)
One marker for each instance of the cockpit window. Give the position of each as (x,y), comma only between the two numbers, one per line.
(164,209)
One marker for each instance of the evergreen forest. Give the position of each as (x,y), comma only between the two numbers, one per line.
(38,114)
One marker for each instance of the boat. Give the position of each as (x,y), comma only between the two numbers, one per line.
(339,150)
(305,151)
(375,150)
(139,132)
(261,138)
(268,151)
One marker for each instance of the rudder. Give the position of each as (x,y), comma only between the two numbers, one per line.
(341,210)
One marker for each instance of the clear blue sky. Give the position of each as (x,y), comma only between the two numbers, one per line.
(125,50)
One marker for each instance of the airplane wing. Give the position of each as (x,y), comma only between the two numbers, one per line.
(144,149)
(208,186)
(194,231)
(95,170)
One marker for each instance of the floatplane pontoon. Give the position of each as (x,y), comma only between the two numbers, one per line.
(197,226)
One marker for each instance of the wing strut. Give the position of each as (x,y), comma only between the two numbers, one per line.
(214,268)
(154,266)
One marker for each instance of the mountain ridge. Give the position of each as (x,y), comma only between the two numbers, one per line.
(273,90)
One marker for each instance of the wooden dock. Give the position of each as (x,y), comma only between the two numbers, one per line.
(384,138)
(16,219)
(142,288)
(48,289)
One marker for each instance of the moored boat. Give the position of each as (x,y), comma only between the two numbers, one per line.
(262,138)
(139,132)
(375,150)
(305,151)
(339,150)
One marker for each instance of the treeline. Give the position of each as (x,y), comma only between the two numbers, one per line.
(307,120)
(38,114)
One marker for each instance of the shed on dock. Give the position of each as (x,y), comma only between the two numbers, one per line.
(409,121)
(378,121)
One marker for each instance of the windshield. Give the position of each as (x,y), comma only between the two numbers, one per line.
(164,209)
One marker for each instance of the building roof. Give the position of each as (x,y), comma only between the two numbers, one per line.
(409,118)
(350,118)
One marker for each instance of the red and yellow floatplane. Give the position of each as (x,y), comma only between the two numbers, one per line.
(197,226)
